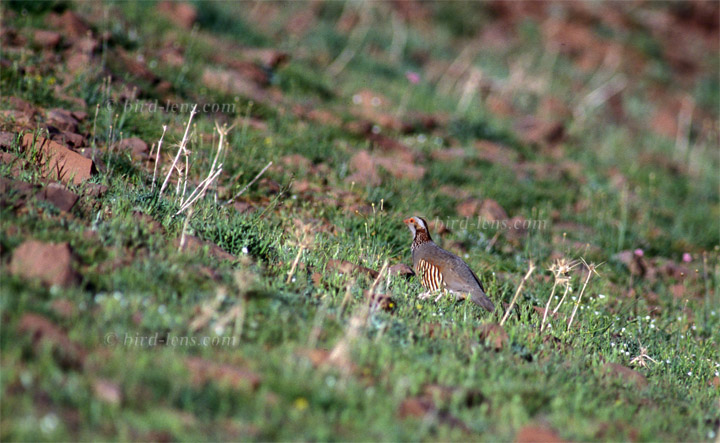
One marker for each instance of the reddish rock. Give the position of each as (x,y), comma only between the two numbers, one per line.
(43,332)
(51,263)
(77,62)
(71,24)
(365,167)
(244,207)
(300,22)
(64,308)
(296,162)
(107,391)
(136,67)
(58,162)
(323,117)
(79,115)
(203,371)
(69,139)
(537,434)
(249,70)
(496,153)
(491,210)
(194,245)
(450,154)
(137,147)
(626,374)
(21,105)
(416,407)
(181,13)
(493,334)
(536,131)
(171,56)
(346,267)
(14,192)
(58,196)
(267,57)
(46,39)
(94,190)
(14,161)
(62,119)
(487,209)
(231,81)
(7,139)
(401,269)
(153,225)
(85,45)
(468,208)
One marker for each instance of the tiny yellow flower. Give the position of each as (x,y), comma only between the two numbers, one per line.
(301,403)
(418,306)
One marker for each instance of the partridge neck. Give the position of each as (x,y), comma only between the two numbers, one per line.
(420,238)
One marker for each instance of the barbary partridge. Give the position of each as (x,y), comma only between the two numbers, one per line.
(441,270)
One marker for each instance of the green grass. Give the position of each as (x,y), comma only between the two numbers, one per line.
(618,194)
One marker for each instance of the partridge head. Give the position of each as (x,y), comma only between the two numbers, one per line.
(441,270)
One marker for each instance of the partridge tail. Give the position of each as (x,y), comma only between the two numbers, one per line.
(479,298)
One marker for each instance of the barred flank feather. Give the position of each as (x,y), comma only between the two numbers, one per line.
(431,277)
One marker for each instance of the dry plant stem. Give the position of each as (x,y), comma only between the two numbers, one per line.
(249,184)
(470,88)
(682,137)
(582,291)
(457,68)
(184,230)
(562,299)
(348,294)
(203,186)
(157,155)
(379,277)
(208,310)
(517,293)
(547,306)
(180,150)
(295,263)
(199,192)
(185,174)
(399,39)
(355,40)
(600,95)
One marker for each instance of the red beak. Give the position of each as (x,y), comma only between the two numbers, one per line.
(407,221)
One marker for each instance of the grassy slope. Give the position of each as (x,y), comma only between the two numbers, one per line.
(135,282)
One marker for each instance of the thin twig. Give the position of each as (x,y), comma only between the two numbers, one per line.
(562,299)
(547,306)
(591,270)
(199,192)
(531,268)
(249,184)
(157,155)
(184,230)
(180,150)
(355,41)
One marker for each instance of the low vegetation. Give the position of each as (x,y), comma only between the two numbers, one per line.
(241,271)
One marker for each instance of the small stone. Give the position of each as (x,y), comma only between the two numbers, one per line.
(51,263)
(137,147)
(46,39)
(494,335)
(63,120)
(58,196)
